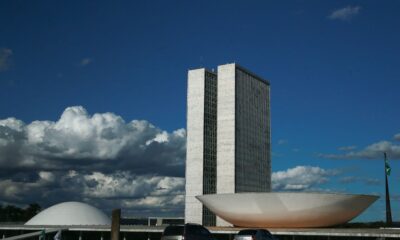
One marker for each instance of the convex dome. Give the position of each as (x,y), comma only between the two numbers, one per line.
(70,213)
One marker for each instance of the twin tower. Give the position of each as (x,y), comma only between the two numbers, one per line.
(228,137)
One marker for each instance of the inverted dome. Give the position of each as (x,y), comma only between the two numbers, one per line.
(70,213)
(283,209)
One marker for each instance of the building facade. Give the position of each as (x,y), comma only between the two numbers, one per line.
(228,137)
(201,146)
(243,132)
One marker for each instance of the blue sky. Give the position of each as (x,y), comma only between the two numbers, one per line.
(333,68)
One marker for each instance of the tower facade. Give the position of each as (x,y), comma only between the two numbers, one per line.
(243,132)
(201,149)
(228,137)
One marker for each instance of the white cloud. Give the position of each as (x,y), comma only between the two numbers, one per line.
(12,123)
(176,201)
(135,193)
(97,158)
(85,61)
(160,138)
(301,178)
(347,148)
(5,59)
(123,184)
(47,176)
(282,141)
(373,151)
(19,191)
(345,13)
(397,137)
(102,137)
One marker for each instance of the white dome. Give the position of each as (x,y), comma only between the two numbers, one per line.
(70,213)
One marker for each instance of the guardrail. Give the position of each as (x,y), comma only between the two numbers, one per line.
(32,234)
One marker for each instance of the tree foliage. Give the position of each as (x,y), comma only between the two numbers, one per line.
(10,213)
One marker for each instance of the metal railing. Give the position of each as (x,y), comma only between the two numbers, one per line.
(32,234)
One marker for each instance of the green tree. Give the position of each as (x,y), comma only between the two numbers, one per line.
(11,213)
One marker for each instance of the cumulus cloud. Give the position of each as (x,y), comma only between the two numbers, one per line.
(100,141)
(5,59)
(301,178)
(98,158)
(345,14)
(124,184)
(85,61)
(373,151)
(397,137)
(17,191)
(134,193)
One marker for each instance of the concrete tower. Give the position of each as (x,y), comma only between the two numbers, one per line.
(201,147)
(243,132)
(228,137)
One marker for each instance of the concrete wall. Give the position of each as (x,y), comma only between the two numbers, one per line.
(194,149)
(226,132)
(243,137)
(226,129)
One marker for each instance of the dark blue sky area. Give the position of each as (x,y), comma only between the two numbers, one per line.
(335,77)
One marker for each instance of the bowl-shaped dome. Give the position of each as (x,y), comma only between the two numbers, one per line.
(70,213)
(287,209)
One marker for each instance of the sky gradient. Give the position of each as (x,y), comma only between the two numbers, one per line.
(94,94)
